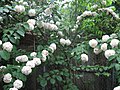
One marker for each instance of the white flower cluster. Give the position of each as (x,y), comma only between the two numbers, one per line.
(105,38)
(31,23)
(48,11)
(86,13)
(104,46)
(60,33)
(65,42)
(109,53)
(7,46)
(117,88)
(109,10)
(13,89)
(114,43)
(33,54)
(45,53)
(18,84)
(84,57)
(7,78)
(53,47)
(22,58)
(29,65)
(32,12)
(49,26)
(19,8)
(93,43)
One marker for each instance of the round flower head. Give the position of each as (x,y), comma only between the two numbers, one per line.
(114,43)
(97,51)
(60,33)
(44,58)
(48,11)
(22,58)
(7,78)
(30,64)
(117,88)
(37,61)
(67,42)
(18,84)
(93,43)
(105,38)
(104,46)
(62,41)
(84,57)
(45,53)
(7,46)
(31,21)
(26,70)
(109,53)
(0,42)
(13,89)
(113,35)
(31,12)
(53,45)
(19,8)
(33,54)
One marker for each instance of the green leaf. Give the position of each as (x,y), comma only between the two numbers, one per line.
(43,82)
(5,55)
(117,67)
(52,81)
(59,78)
(12,39)
(21,32)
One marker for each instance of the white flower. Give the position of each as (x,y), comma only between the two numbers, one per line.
(67,42)
(7,78)
(44,58)
(104,46)
(113,35)
(31,12)
(31,27)
(33,54)
(109,53)
(45,53)
(1,19)
(117,88)
(13,89)
(18,84)
(97,50)
(103,2)
(60,33)
(2,67)
(22,58)
(37,61)
(26,70)
(0,42)
(30,64)
(19,8)
(84,57)
(94,6)
(48,11)
(62,41)
(105,38)
(53,45)
(93,43)
(31,21)
(25,3)
(114,43)
(76,26)
(58,23)
(7,46)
